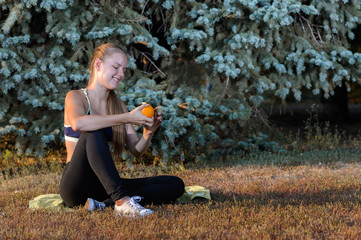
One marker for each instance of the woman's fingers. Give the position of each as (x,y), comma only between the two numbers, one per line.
(157,121)
(148,121)
(158,117)
(141,107)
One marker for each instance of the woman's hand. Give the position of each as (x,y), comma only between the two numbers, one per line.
(137,146)
(138,118)
(157,121)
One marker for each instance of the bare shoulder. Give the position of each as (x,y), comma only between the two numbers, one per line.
(75,98)
(75,105)
(74,94)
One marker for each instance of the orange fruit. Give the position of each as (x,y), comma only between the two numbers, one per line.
(148,111)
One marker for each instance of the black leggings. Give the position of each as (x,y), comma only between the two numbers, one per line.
(92,174)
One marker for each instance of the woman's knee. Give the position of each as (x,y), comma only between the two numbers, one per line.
(98,134)
(175,185)
(178,185)
(70,199)
(94,139)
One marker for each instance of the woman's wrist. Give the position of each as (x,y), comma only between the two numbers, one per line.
(129,117)
(125,118)
(147,134)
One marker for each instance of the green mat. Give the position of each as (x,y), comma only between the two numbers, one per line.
(48,201)
(54,201)
(192,192)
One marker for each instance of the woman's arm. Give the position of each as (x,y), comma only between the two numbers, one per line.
(137,146)
(75,109)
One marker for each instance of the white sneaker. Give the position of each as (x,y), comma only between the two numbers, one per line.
(131,208)
(92,205)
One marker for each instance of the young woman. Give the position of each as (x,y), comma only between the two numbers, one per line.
(92,117)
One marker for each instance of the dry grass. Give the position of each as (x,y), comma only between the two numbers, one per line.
(306,201)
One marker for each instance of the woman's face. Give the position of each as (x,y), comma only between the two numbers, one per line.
(112,70)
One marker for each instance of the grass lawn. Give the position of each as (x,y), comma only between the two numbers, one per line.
(315,195)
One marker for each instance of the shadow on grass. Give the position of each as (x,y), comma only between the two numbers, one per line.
(286,159)
(279,198)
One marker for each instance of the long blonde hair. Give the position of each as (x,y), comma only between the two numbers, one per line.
(113,102)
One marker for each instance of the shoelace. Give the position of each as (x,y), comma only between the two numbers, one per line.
(99,205)
(134,203)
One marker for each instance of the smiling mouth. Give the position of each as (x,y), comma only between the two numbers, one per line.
(118,80)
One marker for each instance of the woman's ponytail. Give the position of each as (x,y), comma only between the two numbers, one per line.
(113,103)
(118,138)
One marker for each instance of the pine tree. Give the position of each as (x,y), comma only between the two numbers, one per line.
(206,63)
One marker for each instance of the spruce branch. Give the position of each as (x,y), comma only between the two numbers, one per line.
(172,142)
(223,93)
(319,35)
(259,115)
(75,55)
(143,54)
(147,73)
(142,13)
(176,14)
(164,22)
(312,33)
(98,7)
(316,35)
(226,87)
(233,16)
(134,20)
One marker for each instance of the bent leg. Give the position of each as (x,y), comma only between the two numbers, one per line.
(91,172)
(156,190)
